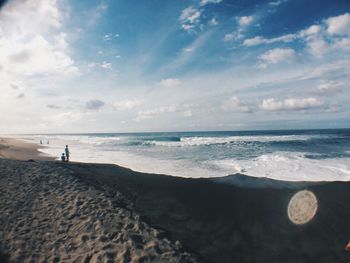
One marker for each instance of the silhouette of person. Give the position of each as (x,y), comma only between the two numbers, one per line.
(63,158)
(67,153)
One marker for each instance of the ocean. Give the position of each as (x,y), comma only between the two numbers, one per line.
(293,155)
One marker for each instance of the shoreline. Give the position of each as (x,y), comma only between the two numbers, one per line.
(17,149)
(53,210)
(291,157)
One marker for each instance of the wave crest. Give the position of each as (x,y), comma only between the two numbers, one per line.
(198,141)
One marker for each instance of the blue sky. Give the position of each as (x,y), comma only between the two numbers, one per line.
(128,66)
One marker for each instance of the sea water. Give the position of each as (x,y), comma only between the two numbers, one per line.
(294,155)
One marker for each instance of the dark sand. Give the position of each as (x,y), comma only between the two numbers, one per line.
(229,223)
(172,219)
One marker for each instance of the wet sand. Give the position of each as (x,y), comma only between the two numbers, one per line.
(11,148)
(78,212)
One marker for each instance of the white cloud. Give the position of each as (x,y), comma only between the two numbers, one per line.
(277,3)
(150,114)
(339,25)
(312,30)
(31,40)
(170,82)
(188,27)
(127,104)
(258,40)
(27,16)
(233,36)
(60,120)
(37,56)
(103,64)
(189,18)
(292,104)
(314,40)
(317,46)
(92,64)
(234,104)
(205,2)
(213,22)
(343,44)
(190,15)
(107,37)
(106,65)
(320,39)
(187,114)
(277,55)
(184,110)
(329,88)
(245,20)
(34,51)
(110,36)
(188,49)
(327,70)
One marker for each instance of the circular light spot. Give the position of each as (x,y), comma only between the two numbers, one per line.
(302,207)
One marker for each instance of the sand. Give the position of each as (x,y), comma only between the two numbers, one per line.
(240,219)
(11,148)
(73,212)
(47,214)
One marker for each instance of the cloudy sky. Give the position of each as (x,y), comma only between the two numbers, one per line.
(165,65)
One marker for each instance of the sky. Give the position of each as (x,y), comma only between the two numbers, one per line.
(164,65)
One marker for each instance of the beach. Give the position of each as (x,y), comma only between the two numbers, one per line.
(211,131)
(52,211)
(11,148)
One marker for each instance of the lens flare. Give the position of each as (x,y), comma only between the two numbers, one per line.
(302,207)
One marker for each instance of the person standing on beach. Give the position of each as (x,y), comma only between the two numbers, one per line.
(67,153)
(63,158)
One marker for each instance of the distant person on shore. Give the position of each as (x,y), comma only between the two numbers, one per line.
(41,142)
(48,142)
(67,153)
(63,158)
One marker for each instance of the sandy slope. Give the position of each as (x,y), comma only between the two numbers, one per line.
(47,214)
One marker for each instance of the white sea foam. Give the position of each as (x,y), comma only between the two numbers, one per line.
(197,141)
(87,153)
(291,167)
